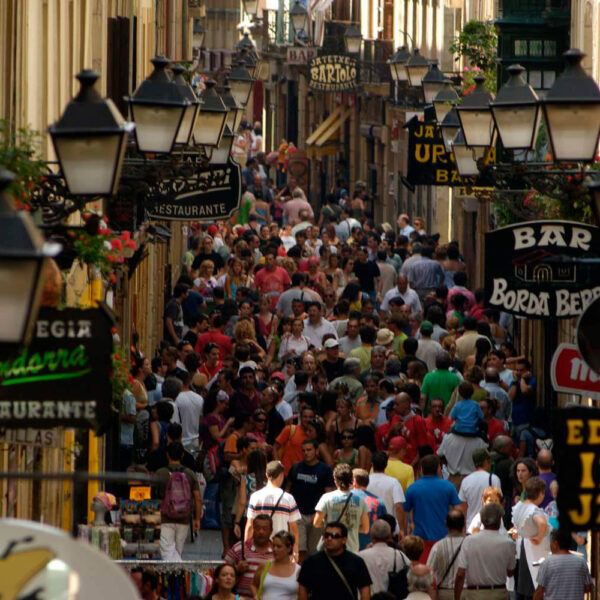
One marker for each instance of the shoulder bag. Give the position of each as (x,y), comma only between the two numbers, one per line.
(451,563)
(398,580)
(341,576)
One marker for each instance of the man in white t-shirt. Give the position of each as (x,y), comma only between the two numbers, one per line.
(388,489)
(190,406)
(473,485)
(345,506)
(275,502)
(315,326)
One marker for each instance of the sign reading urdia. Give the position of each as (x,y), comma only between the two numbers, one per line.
(333,73)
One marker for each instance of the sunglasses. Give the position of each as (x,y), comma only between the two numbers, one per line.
(260,420)
(333,536)
(347,437)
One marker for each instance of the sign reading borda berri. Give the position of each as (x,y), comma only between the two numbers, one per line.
(198,194)
(63,376)
(535,269)
(333,73)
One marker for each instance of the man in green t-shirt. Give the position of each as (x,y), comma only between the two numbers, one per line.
(439,383)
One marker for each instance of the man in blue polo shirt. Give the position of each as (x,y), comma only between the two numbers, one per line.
(430,499)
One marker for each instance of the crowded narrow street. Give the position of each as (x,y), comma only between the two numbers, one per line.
(299,300)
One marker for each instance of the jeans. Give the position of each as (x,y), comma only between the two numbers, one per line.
(172,540)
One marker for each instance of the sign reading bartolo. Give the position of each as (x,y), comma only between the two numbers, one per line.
(542,269)
(333,73)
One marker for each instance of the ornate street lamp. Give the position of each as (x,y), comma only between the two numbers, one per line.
(397,63)
(220,155)
(516,112)
(23,256)
(299,18)
(157,107)
(416,68)
(241,83)
(572,113)
(464,156)
(249,61)
(352,39)
(433,82)
(251,7)
(210,123)
(90,139)
(445,100)
(246,44)
(198,34)
(449,128)
(235,111)
(475,115)
(186,129)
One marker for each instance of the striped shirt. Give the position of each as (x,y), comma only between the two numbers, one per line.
(441,556)
(264,502)
(254,559)
(564,577)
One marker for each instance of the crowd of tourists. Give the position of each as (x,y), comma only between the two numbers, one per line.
(366,419)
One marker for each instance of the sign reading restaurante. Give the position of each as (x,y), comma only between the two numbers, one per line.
(203,195)
(333,73)
(542,269)
(63,376)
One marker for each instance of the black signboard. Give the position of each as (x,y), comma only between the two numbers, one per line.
(197,194)
(428,161)
(333,73)
(542,269)
(577,456)
(63,376)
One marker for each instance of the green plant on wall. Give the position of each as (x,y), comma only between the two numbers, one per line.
(20,153)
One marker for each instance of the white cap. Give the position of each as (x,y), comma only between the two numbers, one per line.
(331,343)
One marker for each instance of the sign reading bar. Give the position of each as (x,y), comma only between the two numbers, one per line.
(428,162)
(333,73)
(542,269)
(300,55)
(63,376)
(577,435)
(571,374)
(203,195)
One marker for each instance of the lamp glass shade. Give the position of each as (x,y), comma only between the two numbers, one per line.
(298,17)
(251,7)
(448,134)
(220,155)
(401,73)
(442,108)
(240,90)
(91,165)
(465,162)
(416,67)
(156,126)
(477,126)
(431,90)
(20,289)
(209,128)
(352,40)
(517,126)
(186,129)
(573,130)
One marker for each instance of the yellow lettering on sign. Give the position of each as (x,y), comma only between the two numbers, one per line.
(140,493)
(587,464)
(583,516)
(419,131)
(441,176)
(429,131)
(574,427)
(422,152)
(439,152)
(594,431)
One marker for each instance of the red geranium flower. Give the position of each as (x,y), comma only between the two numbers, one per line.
(116,244)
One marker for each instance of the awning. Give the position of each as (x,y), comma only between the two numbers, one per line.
(324,140)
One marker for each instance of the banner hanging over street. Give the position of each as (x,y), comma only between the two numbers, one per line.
(428,161)
(208,194)
(542,269)
(577,437)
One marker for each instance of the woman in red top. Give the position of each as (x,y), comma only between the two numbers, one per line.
(214,426)
(212,365)
(267,321)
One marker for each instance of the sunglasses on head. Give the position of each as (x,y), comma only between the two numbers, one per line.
(333,536)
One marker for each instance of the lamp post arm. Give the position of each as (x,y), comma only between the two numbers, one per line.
(408,36)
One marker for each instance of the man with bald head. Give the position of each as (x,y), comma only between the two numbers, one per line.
(545,462)
(402,290)
(420,582)
(380,558)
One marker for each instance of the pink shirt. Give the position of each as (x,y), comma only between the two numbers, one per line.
(292,208)
(458,289)
(272,283)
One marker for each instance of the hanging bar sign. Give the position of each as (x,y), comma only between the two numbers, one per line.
(333,73)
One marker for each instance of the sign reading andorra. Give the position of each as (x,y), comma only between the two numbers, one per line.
(63,376)
(542,269)
(196,194)
(333,73)
(428,162)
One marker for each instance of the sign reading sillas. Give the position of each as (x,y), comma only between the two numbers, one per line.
(577,436)
(542,269)
(333,73)
(198,194)
(63,376)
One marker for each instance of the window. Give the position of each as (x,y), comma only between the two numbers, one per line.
(549,48)
(535,47)
(520,47)
(549,77)
(535,79)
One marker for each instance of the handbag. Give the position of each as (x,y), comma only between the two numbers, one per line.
(341,575)
(398,580)
(263,576)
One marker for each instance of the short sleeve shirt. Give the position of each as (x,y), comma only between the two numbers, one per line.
(163,475)
(308,484)
(564,576)
(291,439)
(366,274)
(265,502)
(174,312)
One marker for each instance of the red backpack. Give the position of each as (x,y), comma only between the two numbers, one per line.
(177,503)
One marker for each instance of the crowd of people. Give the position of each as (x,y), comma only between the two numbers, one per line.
(372,430)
